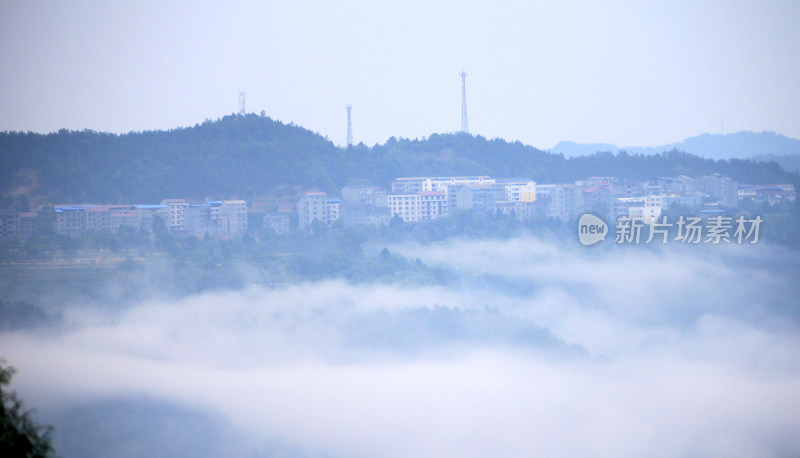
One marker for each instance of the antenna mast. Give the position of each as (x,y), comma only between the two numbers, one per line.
(349,127)
(241,103)
(464,124)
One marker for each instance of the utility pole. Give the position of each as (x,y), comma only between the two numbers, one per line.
(464,124)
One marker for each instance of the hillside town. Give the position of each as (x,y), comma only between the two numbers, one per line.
(412,200)
(220,219)
(421,199)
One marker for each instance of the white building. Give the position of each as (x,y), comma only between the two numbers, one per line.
(433,204)
(517,190)
(352,213)
(622,204)
(202,220)
(70,220)
(278,222)
(365,195)
(646,208)
(566,200)
(175,214)
(597,199)
(722,188)
(147,213)
(234,216)
(406,206)
(216,218)
(410,185)
(312,206)
(672,200)
(413,185)
(519,210)
(332,210)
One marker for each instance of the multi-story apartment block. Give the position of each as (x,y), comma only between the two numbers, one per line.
(411,185)
(70,220)
(627,188)
(406,206)
(414,185)
(360,194)
(646,208)
(459,197)
(440,184)
(597,181)
(566,201)
(365,194)
(775,193)
(278,222)
(364,204)
(213,218)
(377,216)
(28,224)
(175,214)
(746,191)
(312,207)
(598,200)
(234,216)
(719,187)
(98,218)
(481,199)
(202,220)
(148,213)
(671,185)
(516,189)
(685,185)
(544,189)
(623,204)
(18,224)
(484,201)
(672,200)
(9,223)
(124,216)
(332,210)
(432,205)
(360,214)
(216,218)
(519,210)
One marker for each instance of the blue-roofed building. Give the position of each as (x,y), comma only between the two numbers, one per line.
(216,218)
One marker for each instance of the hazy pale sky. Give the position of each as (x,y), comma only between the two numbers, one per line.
(631,73)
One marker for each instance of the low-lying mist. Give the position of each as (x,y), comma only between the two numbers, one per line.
(532,348)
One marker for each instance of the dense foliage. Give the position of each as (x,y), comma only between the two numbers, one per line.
(249,156)
(139,265)
(19,434)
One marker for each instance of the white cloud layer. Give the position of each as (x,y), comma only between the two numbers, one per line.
(535,349)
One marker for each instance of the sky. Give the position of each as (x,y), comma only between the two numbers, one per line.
(628,73)
(539,349)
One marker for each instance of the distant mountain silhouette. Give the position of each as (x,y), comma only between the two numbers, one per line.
(739,145)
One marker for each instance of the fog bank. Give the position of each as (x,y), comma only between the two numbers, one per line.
(534,348)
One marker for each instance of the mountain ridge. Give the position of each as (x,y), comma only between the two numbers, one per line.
(252,156)
(738,145)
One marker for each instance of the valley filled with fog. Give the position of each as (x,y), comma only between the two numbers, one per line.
(530,347)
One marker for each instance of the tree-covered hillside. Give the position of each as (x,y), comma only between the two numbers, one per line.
(235,156)
(250,156)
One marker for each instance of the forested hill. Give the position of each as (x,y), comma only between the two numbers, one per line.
(234,156)
(250,156)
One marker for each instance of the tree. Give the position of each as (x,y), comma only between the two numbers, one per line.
(19,435)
